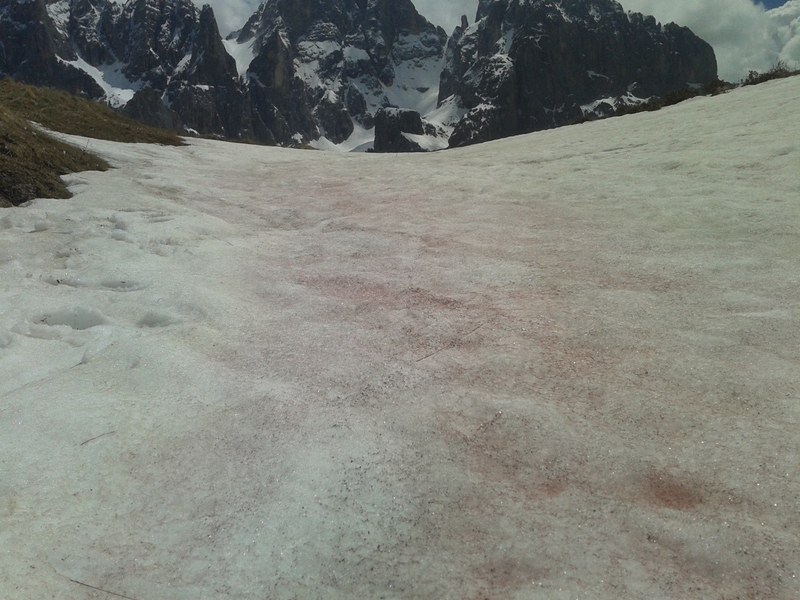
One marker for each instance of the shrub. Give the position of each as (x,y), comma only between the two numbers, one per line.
(780,70)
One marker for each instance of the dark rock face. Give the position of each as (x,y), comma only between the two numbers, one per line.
(165,61)
(30,43)
(148,107)
(318,67)
(169,47)
(90,28)
(530,65)
(326,66)
(391,124)
(207,93)
(152,38)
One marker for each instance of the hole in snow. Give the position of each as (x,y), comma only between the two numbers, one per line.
(153,319)
(67,281)
(122,285)
(77,318)
(5,339)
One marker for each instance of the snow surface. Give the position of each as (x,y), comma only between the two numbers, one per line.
(428,143)
(307,63)
(627,99)
(118,88)
(448,114)
(416,84)
(361,140)
(562,365)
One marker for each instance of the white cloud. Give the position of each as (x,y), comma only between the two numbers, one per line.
(786,30)
(447,13)
(744,35)
(231,14)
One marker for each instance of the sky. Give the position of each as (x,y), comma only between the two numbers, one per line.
(744,35)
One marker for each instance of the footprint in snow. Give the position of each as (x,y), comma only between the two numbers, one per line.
(154,319)
(79,318)
(112,285)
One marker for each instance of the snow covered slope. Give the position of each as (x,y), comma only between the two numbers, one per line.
(555,366)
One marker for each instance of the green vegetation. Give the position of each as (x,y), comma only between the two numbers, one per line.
(70,114)
(676,97)
(780,70)
(31,162)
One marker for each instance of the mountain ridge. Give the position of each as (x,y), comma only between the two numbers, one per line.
(526,65)
(319,72)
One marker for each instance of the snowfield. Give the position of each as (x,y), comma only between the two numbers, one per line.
(564,365)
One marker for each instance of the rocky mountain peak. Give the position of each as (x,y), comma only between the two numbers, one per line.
(153,37)
(321,72)
(210,63)
(327,66)
(533,64)
(90,28)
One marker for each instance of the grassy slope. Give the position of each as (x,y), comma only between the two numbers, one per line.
(32,162)
(66,113)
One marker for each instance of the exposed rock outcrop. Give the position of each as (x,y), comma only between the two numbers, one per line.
(35,48)
(534,64)
(327,66)
(392,129)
